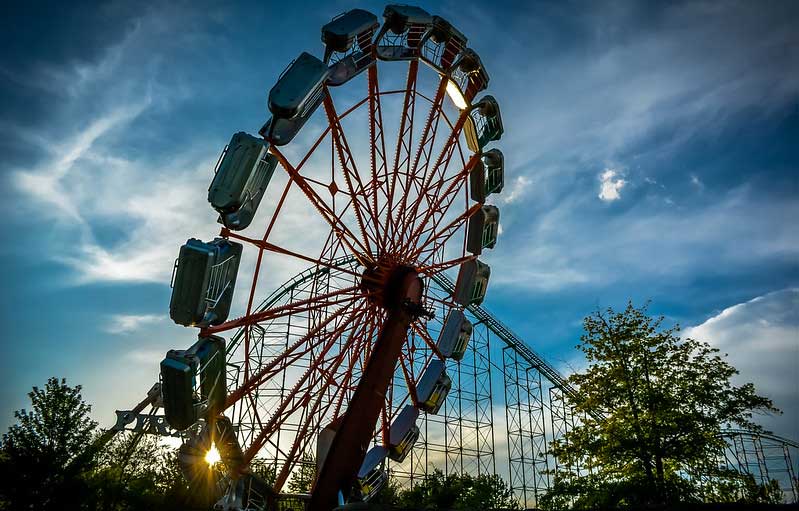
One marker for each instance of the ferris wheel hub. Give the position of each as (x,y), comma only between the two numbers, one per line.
(392,285)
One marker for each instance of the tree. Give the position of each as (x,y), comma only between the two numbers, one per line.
(459,492)
(304,476)
(45,455)
(128,474)
(389,496)
(488,492)
(652,406)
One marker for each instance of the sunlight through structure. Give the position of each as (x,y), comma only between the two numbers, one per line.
(212,457)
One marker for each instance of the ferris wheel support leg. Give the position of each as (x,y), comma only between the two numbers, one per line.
(355,429)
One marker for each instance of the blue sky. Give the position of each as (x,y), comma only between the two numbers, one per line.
(652,152)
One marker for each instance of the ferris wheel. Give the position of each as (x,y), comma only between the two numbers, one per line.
(363,344)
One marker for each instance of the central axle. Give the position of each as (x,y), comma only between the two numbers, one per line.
(398,289)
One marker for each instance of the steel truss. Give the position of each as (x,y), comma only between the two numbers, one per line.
(461,439)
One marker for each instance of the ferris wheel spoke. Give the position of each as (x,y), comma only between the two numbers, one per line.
(311,423)
(416,176)
(439,267)
(280,363)
(271,247)
(350,171)
(313,148)
(341,230)
(425,335)
(440,237)
(338,296)
(276,366)
(379,165)
(295,398)
(358,353)
(410,383)
(445,200)
(439,169)
(421,162)
(257,270)
(312,420)
(402,154)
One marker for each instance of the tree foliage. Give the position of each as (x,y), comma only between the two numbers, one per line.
(454,491)
(50,460)
(135,472)
(652,406)
(45,455)
(304,476)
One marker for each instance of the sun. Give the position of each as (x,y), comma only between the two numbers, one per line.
(212,457)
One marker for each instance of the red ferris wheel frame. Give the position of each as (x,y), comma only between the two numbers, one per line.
(404,219)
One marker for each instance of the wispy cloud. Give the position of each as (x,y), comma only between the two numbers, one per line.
(98,182)
(48,181)
(572,245)
(127,323)
(696,182)
(517,190)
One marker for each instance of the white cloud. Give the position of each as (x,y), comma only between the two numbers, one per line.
(610,185)
(761,337)
(127,323)
(517,190)
(697,182)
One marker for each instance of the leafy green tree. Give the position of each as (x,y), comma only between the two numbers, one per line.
(389,495)
(265,470)
(488,492)
(128,474)
(304,476)
(727,485)
(45,454)
(459,492)
(653,405)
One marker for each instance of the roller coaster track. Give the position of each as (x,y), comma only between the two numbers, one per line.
(762,435)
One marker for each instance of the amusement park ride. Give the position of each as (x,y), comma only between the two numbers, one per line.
(371,360)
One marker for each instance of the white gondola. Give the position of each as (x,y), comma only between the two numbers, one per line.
(403,433)
(467,77)
(483,229)
(402,31)
(455,335)
(487,176)
(484,124)
(472,283)
(372,477)
(203,282)
(240,180)
(441,45)
(295,96)
(433,387)
(348,44)
(183,399)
